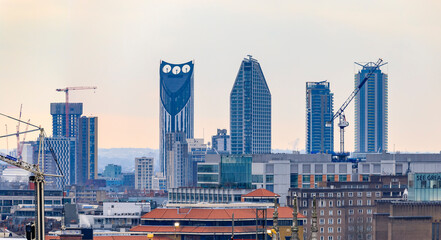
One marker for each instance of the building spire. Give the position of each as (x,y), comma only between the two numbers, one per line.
(314,228)
(294,228)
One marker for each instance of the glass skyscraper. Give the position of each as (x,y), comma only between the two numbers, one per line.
(319,110)
(371,110)
(250,110)
(176,104)
(87,166)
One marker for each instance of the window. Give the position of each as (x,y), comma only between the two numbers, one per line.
(305,212)
(350,220)
(339,229)
(369,219)
(305,203)
(330,221)
(351,211)
(321,221)
(338,194)
(378,194)
(360,194)
(338,220)
(368,194)
(350,194)
(350,202)
(322,212)
(368,202)
(331,203)
(322,230)
(322,203)
(321,195)
(305,195)
(360,211)
(330,238)
(330,195)
(330,229)
(359,202)
(369,211)
(331,212)
(339,212)
(338,203)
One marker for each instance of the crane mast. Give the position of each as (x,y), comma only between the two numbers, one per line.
(37,177)
(340,113)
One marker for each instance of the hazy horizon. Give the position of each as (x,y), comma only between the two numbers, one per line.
(117,47)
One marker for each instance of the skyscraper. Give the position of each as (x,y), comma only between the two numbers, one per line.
(87,163)
(58,112)
(176,104)
(221,142)
(250,110)
(371,110)
(319,110)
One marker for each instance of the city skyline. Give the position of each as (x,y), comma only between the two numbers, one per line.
(44,48)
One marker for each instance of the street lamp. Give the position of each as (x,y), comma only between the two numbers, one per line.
(176,226)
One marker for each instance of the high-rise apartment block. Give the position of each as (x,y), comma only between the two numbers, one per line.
(371,110)
(221,142)
(250,110)
(143,173)
(87,149)
(58,112)
(176,104)
(196,154)
(319,110)
(178,163)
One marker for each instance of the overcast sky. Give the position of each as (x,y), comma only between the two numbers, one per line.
(117,46)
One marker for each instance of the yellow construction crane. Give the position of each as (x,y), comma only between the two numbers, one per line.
(66,90)
(37,177)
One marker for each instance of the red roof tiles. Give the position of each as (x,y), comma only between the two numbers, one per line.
(193,229)
(214,214)
(261,192)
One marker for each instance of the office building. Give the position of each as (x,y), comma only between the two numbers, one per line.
(143,173)
(65,150)
(221,142)
(176,104)
(319,110)
(196,154)
(345,210)
(87,149)
(58,112)
(250,110)
(371,110)
(178,162)
(159,182)
(112,171)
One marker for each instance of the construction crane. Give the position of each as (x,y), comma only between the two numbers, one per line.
(340,113)
(37,177)
(20,143)
(66,90)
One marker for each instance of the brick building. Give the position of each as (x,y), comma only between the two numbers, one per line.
(345,209)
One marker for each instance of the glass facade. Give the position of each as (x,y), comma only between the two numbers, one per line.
(250,111)
(424,187)
(319,110)
(87,163)
(176,103)
(236,171)
(371,111)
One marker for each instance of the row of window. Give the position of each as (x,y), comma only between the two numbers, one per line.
(349,194)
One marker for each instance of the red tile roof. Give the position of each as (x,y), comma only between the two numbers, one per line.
(261,192)
(192,229)
(141,237)
(214,214)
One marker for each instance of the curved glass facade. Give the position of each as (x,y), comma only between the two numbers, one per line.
(176,105)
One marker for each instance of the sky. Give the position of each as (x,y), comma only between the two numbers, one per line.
(117,46)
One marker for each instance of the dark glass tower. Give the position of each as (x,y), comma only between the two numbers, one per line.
(87,167)
(371,111)
(319,110)
(176,104)
(250,110)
